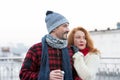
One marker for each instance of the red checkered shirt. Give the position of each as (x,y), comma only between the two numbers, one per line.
(31,65)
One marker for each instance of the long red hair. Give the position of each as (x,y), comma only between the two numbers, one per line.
(89,44)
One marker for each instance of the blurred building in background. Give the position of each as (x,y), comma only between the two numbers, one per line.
(107,41)
(10,50)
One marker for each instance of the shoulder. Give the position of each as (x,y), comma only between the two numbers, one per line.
(36,47)
(34,51)
(70,49)
(93,56)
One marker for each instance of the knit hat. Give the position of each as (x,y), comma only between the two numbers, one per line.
(53,20)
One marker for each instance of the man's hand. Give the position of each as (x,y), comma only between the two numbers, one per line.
(56,75)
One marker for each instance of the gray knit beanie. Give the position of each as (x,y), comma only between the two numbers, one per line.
(53,20)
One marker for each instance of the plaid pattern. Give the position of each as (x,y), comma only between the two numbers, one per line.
(31,65)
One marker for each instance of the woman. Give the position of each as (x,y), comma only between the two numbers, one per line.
(86,58)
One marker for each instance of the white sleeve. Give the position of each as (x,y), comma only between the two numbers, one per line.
(86,67)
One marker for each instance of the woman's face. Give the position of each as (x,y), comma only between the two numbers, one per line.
(80,40)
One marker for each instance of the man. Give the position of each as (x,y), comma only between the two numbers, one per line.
(50,59)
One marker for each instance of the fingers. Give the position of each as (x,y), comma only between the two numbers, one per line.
(56,75)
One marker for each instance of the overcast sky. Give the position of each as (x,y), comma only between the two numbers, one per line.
(24,20)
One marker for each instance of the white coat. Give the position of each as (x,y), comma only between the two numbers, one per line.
(86,66)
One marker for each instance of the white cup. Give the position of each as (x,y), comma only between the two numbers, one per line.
(63,74)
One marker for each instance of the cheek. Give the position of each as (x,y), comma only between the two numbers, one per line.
(75,42)
(85,42)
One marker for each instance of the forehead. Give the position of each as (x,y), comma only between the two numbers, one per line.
(64,24)
(79,33)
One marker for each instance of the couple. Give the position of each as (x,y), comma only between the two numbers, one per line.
(56,58)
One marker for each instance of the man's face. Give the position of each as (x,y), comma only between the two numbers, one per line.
(62,31)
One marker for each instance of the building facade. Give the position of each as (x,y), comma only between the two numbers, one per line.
(107,41)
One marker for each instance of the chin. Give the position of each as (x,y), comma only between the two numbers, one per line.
(65,37)
(81,48)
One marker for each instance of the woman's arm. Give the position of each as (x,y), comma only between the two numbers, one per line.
(86,66)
